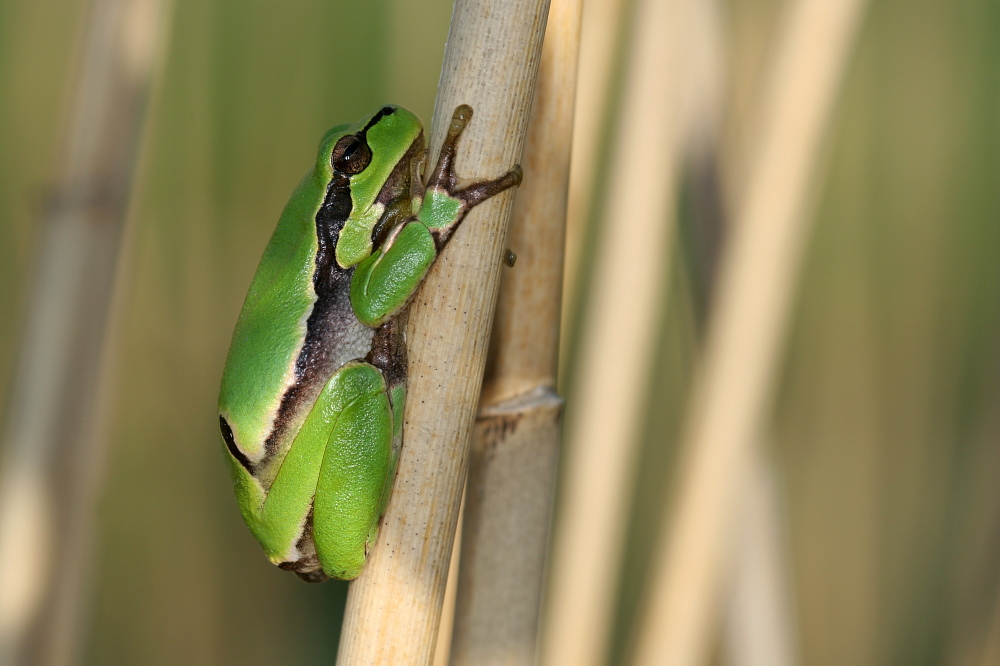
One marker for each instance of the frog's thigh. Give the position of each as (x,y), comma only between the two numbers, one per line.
(281,519)
(353,475)
(384,282)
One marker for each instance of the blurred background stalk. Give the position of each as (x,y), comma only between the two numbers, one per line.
(746,331)
(601,24)
(54,434)
(758,623)
(629,265)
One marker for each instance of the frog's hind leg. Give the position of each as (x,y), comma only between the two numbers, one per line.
(360,462)
(327,494)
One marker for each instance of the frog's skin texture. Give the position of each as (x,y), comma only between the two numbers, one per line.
(314,386)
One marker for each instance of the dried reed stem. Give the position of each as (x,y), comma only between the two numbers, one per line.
(601,22)
(512,470)
(746,329)
(758,623)
(394,607)
(446,627)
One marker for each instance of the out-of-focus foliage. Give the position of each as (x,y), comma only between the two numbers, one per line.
(36,39)
(889,420)
(886,426)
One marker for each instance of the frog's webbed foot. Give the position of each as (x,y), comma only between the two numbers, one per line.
(444,178)
(446,201)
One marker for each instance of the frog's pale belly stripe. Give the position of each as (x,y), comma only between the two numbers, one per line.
(291,377)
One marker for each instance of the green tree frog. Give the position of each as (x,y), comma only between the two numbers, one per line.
(312,396)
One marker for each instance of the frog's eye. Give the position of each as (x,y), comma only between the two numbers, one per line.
(351,155)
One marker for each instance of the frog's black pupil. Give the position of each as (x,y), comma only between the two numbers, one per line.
(351,155)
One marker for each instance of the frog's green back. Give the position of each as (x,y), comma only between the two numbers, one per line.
(272,325)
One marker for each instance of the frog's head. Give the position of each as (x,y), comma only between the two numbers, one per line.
(375,156)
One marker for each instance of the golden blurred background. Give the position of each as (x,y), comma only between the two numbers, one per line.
(881,437)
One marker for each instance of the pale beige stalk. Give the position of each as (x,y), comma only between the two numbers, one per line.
(442,647)
(746,330)
(53,438)
(758,624)
(512,471)
(600,26)
(525,344)
(394,607)
(512,468)
(619,336)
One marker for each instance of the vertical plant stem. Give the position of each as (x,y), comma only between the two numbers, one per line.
(618,338)
(512,470)
(600,28)
(746,330)
(394,607)
(758,624)
(446,627)
(53,437)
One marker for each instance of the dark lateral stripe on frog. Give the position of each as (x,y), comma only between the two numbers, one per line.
(315,365)
(331,285)
(388,353)
(230,440)
(382,113)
